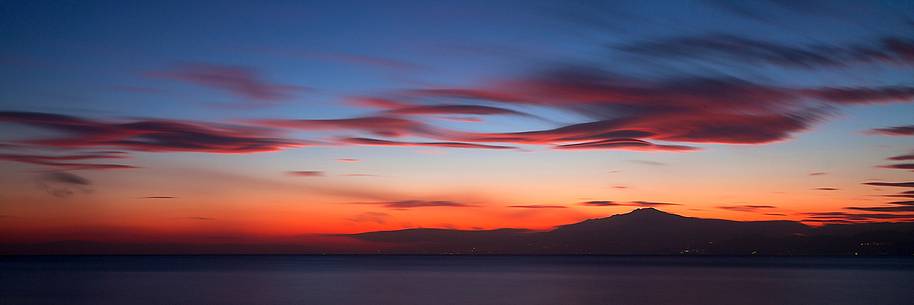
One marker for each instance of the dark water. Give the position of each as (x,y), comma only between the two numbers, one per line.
(408,280)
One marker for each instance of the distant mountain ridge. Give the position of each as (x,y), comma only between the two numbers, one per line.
(644,231)
(648,231)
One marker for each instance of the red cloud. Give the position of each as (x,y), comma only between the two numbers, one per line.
(624,113)
(697,110)
(149,135)
(629,112)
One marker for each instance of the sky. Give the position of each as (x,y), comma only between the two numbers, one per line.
(207,122)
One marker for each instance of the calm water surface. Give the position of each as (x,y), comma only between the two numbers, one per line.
(405,280)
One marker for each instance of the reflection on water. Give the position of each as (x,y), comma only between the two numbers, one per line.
(405,280)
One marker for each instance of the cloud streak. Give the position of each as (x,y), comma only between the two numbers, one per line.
(410,204)
(891,184)
(716,47)
(604,203)
(907,130)
(149,135)
(853,217)
(902,157)
(904,166)
(629,112)
(239,81)
(387,126)
(380,142)
(537,206)
(306,173)
(454,109)
(747,208)
(63,162)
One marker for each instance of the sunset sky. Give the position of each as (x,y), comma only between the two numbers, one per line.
(205,122)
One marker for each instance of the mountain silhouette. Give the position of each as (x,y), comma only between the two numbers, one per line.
(644,231)
(648,231)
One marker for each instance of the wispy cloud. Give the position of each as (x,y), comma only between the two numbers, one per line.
(904,166)
(386,126)
(380,142)
(65,162)
(742,50)
(63,184)
(894,131)
(902,157)
(602,203)
(747,208)
(537,206)
(239,81)
(625,144)
(306,173)
(360,175)
(895,206)
(892,184)
(149,135)
(853,217)
(648,162)
(409,204)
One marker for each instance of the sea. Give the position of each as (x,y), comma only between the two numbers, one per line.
(457,280)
